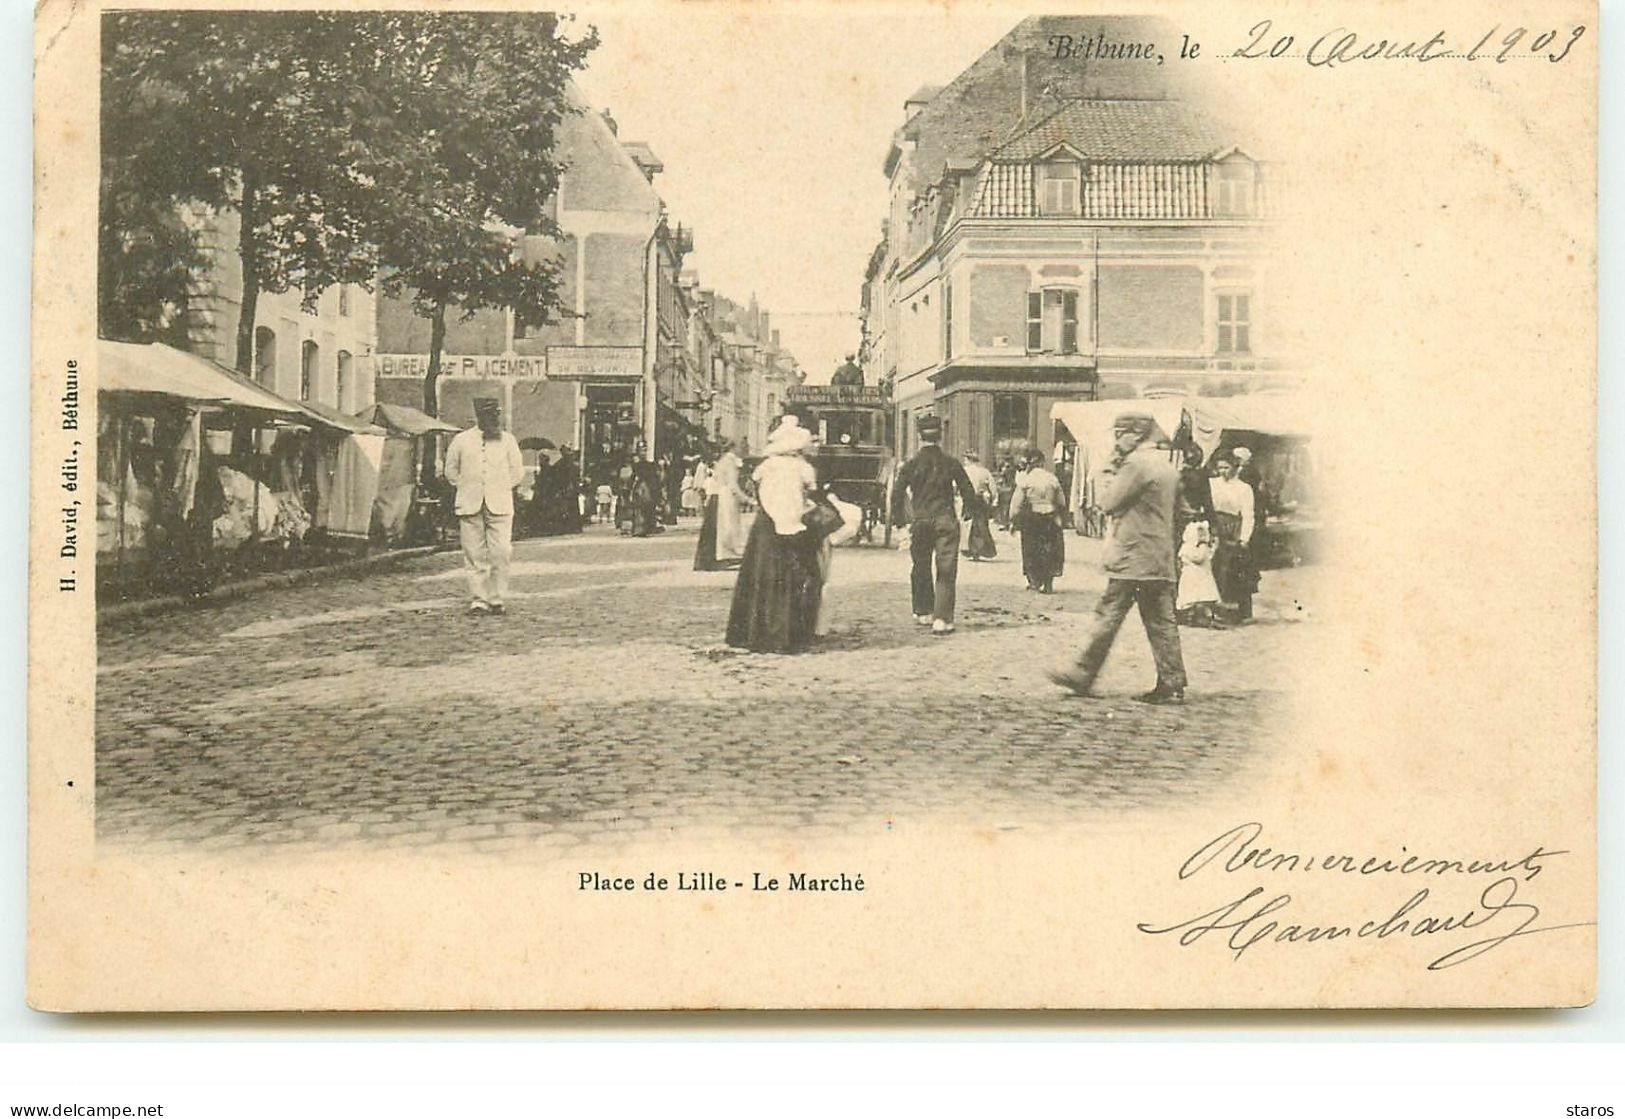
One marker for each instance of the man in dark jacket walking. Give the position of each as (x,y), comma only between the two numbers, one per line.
(929,480)
(1141,495)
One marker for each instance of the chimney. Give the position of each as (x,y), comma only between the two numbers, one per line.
(614,129)
(775,338)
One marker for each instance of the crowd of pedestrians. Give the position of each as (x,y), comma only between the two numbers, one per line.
(1178,543)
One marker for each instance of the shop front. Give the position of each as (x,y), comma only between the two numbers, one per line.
(999,410)
(606,385)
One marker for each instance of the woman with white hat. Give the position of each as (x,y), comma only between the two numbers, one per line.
(775,601)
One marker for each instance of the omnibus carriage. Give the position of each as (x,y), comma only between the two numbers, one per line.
(854,456)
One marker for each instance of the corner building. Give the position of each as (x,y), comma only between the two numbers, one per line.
(1066,229)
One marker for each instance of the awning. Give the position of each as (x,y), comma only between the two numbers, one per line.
(1286,415)
(673,419)
(324,416)
(1090,421)
(160,370)
(1282,414)
(402,420)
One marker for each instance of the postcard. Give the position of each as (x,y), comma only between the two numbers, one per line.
(831,505)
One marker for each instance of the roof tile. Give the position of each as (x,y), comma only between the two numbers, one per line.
(1120,131)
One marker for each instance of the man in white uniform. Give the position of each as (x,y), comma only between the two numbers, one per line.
(485,465)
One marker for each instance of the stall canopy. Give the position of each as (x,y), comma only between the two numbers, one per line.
(398,463)
(398,419)
(332,418)
(1090,421)
(1283,415)
(160,370)
(1280,415)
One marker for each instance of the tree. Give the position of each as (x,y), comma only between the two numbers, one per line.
(236,111)
(489,91)
(146,257)
(344,141)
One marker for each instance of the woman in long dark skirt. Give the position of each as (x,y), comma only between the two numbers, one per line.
(1036,509)
(645,513)
(1234,523)
(776,597)
(979,539)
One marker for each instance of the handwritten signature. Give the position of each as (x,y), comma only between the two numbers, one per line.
(1258,917)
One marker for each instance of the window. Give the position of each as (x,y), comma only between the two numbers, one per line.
(947,322)
(1233,197)
(1235,323)
(265,357)
(1058,189)
(344,299)
(1052,321)
(1010,417)
(343,385)
(309,355)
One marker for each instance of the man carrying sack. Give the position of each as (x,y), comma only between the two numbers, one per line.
(485,465)
(1140,493)
(929,480)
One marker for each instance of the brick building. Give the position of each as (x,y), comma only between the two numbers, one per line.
(589,379)
(640,362)
(323,355)
(1064,230)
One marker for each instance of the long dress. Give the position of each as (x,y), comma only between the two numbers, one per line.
(1234,569)
(1035,509)
(645,511)
(776,597)
(979,541)
(731,529)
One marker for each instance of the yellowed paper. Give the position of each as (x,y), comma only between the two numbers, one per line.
(343,792)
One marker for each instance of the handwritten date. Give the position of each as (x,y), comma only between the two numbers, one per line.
(1340,46)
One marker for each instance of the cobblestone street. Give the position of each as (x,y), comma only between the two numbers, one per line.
(372,710)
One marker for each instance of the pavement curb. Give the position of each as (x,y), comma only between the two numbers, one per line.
(146,607)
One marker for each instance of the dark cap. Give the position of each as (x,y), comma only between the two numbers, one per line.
(1138,422)
(929,427)
(487,406)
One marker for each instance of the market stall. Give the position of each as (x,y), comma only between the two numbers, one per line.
(178,469)
(409,440)
(347,461)
(1089,424)
(1276,428)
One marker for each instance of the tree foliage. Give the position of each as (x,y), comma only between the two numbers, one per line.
(483,169)
(345,142)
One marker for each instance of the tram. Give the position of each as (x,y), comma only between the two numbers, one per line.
(854,457)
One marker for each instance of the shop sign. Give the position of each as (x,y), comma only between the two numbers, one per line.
(483,367)
(870,395)
(595,362)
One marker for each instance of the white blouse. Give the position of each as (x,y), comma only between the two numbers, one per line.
(1235,496)
(782,484)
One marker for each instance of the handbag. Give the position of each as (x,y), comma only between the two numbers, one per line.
(822,519)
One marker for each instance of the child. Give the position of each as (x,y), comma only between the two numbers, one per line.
(606,502)
(1198,593)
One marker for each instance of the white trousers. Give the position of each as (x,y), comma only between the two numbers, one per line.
(487,540)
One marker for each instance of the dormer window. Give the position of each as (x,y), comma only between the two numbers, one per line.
(1058,185)
(1233,193)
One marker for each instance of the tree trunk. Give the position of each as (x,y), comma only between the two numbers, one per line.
(248,253)
(431,379)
